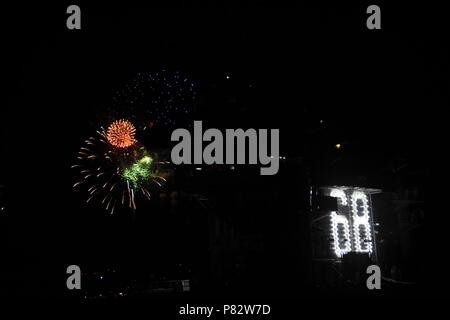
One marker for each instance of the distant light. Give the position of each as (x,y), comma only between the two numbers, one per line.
(101,277)
(321,121)
(227,77)
(338,146)
(198,169)
(232,167)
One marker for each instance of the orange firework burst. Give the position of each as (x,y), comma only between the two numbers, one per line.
(121,134)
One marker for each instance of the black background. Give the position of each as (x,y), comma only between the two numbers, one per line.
(380,92)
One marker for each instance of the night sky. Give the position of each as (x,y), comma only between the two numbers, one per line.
(312,70)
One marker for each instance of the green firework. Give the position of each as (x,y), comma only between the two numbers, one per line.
(139,171)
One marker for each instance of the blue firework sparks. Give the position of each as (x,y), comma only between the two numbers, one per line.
(163,99)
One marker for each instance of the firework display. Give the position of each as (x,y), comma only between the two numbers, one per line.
(164,99)
(115,168)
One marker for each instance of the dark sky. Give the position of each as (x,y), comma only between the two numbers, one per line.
(307,63)
(381,92)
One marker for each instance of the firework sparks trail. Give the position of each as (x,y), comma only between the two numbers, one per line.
(164,99)
(113,166)
(121,134)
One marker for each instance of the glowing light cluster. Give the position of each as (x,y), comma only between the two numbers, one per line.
(139,171)
(164,99)
(340,194)
(114,168)
(359,223)
(341,243)
(121,134)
